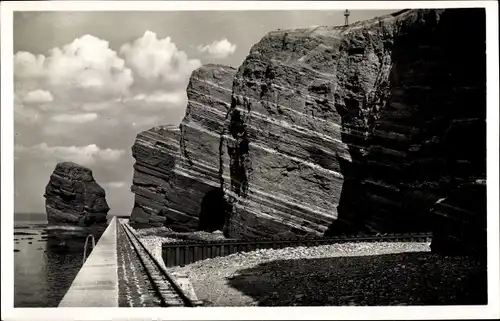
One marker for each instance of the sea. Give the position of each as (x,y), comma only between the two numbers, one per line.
(47,259)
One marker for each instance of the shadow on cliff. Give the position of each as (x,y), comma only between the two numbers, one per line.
(429,98)
(214,209)
(418,278)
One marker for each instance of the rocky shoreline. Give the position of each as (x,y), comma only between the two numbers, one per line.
(322,131)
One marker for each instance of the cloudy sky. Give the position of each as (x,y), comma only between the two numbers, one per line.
(87,82)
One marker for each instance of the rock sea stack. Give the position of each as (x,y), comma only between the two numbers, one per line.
(326,131)
(72,196)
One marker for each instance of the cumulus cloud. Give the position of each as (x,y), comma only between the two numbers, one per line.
(27,65)
(38,96)
(74,118)
(79,82)
(26,115)
(99,105)
(78,98)
(84,155)
(171,98)
(86,67)
(218,49)
(143,122)
(114,184)
(155,59)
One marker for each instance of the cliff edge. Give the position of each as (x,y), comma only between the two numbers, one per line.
(177,180)
(359,126)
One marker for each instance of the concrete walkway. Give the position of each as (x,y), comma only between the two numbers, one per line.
(96,285)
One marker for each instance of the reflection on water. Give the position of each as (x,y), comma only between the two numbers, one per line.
(47,261)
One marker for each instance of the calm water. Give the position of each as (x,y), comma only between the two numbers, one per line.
(47,259)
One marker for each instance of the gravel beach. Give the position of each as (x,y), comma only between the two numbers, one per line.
(335,275)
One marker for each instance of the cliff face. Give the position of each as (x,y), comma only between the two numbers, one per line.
(357,125)
(327,130)
(74,197)
(177,179)
(459,221)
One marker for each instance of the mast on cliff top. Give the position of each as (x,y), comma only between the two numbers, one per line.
(346,14)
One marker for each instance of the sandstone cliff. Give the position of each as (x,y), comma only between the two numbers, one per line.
(177,179)
(329,130)
(351,125)
(459,221)
(73,196)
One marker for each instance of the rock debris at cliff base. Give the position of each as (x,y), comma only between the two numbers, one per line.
(339,275)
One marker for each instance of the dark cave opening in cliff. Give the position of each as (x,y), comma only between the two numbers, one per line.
(213,211)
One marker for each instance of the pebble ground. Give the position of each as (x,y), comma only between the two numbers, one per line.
(356,274)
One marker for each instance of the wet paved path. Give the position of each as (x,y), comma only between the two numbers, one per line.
(96,285)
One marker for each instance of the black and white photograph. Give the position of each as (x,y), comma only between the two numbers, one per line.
(249,155)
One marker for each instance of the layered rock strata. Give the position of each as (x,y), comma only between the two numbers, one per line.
(326,130)
(349,124)
(72,196)
(177,177)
